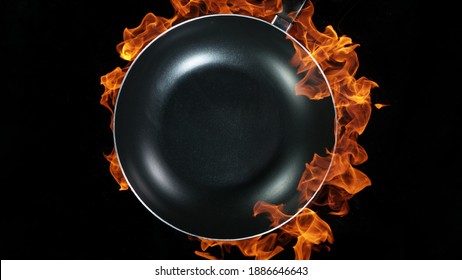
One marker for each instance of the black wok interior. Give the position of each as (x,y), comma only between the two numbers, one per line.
(208,122)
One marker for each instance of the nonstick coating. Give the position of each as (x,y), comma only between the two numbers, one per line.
(208,122)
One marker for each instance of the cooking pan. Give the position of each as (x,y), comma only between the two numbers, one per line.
(208,122)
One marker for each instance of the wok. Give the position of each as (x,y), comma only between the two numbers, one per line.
(208,122)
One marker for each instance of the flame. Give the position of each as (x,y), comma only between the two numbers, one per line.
(111,83)
(136,39)
(380,106)
(337,58)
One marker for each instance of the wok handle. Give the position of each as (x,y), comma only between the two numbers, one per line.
(290,11)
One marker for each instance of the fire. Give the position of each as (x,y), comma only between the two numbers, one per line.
(337,57)
(152,26)
(380,106)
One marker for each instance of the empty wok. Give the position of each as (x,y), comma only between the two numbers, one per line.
(208,122)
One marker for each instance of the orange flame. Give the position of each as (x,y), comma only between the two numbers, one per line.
(339,62)
(380,106)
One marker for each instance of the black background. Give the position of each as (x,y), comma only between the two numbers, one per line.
(60,202)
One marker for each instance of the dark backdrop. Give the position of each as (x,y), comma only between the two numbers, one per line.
(60,202)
